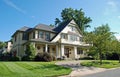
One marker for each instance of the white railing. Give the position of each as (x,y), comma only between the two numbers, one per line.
(74,42)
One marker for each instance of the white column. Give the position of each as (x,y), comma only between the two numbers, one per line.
(62,50)
(46,47)
(75,52)
(36,34)
(56,51)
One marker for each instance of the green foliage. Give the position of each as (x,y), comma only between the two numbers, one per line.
(106,64)
(51,25)
(101,39)
(14,58)
(25,58)
(30,51)
(78,16)
(116,47)
(44,57)
(2,44)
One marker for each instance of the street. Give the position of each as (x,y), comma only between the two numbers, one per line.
(108,73)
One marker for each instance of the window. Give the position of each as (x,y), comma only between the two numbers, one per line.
(80,52)
(15,38)
(24,36)
(47,36)
(81,39)
(72,28)
(64,36)
(33,35)
(73,38)
(41,34)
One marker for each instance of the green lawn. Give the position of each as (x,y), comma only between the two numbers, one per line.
(106,64)
(32,69)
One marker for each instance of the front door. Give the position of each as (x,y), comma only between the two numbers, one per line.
(67,52)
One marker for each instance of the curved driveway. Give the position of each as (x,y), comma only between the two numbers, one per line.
(78,70)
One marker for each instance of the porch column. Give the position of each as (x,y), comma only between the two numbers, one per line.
(56,51)
(62,50)
(46,47)
(75,52)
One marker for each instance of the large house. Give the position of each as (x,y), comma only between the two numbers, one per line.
(64,40)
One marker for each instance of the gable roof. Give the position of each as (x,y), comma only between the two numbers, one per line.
(59,28)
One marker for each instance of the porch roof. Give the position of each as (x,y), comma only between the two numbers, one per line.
(41,41)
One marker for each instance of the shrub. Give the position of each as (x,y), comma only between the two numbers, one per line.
(86,58)
(25,58)
(44,57)
(14,58)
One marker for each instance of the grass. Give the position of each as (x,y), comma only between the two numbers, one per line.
(32,69)
(106,64)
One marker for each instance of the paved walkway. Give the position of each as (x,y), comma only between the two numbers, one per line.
(79,70)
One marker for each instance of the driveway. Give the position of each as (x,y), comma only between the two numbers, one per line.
(78,70)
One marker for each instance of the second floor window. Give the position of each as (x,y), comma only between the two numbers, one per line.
(64,36)
(47,36)
(81,39)
(73,38)
(15,38)
(41,34)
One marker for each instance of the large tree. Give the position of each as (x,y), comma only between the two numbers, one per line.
(101,38)
(116,47)
(2,44)
(77,15)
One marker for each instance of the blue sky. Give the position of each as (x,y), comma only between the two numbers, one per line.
(15,14)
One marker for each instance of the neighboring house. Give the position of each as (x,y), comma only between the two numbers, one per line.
(7,48)
(64,40)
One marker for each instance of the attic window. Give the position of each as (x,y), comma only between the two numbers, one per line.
(72,28)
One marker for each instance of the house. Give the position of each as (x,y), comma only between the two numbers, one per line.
(6,48)
(64,40)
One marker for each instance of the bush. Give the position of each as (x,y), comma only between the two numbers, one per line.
(86,58)
(44,57)
(14,58)
(25,58)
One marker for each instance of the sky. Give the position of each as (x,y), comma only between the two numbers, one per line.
(15,14)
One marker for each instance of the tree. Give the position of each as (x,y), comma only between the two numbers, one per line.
(101,39)
(77,15)
(116,47)
(2,44)
(30,51)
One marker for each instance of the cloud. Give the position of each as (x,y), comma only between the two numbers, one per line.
(119,17)
(111,8)
(118,37)
(33,16)
(11,4)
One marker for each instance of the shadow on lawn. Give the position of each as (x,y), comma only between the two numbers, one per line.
(49,66)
